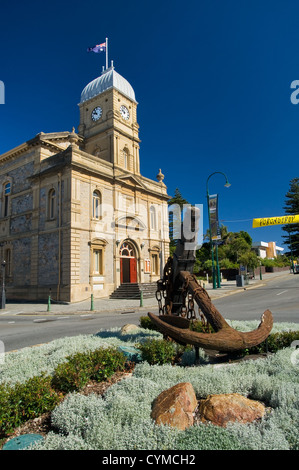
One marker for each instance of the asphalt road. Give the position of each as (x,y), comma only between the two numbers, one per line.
(278,295)
(17,332)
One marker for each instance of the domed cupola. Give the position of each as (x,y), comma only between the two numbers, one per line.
(108,79)
(108,121)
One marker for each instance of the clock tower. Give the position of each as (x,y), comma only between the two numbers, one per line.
(108,121)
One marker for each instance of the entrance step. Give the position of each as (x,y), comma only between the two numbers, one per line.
(133,290)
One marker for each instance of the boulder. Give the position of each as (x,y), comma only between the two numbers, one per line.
(223,408)
(128,328)
(175,406)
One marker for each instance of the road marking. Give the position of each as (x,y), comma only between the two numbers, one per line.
(11,322)
(282,292)
(60,318)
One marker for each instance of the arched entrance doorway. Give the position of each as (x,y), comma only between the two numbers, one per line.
(128,263)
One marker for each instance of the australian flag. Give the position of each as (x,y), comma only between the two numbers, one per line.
(97,48)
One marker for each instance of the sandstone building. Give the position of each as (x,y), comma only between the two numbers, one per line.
(76,216)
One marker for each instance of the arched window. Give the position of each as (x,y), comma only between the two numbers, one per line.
(153,218)
(125,159)
(7,192)
(52,204)
(127,250)
(96,205)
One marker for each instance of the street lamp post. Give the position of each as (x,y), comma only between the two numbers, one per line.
(261,276)
(218,268)
(227,185)
(3,300)
(212,249)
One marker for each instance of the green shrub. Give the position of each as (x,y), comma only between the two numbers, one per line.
(26,401)
(73,374)
(275,342)
(105,362)
(147,324)
(6,410)
(80,368)
(199,327)
(158,351)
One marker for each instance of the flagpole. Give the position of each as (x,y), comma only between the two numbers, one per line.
(106,53)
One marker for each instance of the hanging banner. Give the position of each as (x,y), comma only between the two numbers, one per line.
(213,206)
(284,219)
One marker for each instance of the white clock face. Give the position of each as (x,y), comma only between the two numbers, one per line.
(124,112)
(96,113)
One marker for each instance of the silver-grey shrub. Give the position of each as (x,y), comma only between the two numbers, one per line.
(121,419)
(28,362)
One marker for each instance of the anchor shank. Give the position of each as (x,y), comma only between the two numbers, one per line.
(204,302)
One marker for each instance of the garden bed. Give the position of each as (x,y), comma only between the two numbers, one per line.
(42,425)
(115,414)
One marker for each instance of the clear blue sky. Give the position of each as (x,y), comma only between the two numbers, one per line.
(212,79)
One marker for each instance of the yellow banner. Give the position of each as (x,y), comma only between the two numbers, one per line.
(284,219)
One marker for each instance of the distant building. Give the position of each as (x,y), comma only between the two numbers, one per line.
(76,215)
(267,249)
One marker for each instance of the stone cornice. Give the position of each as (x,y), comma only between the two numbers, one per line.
(48,140)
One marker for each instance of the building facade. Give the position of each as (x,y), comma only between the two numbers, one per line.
(267,249)
(77,217)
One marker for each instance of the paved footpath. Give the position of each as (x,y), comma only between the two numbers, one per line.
(125,306)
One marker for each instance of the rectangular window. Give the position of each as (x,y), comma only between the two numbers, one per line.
(7,258)
(98,261)
(147,266)
(155,264)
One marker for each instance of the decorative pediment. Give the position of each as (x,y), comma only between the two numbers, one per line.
(130,222)
(131,180)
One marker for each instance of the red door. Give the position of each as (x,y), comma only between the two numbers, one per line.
(128,270)
(133,270)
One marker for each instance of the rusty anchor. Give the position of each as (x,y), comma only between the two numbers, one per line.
(173,321)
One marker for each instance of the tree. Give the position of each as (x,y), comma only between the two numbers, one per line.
(250,260)
(292,207)
(235,249)
(175,218)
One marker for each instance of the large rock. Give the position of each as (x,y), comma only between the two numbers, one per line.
(175,406)
(220,409)
(128,328)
